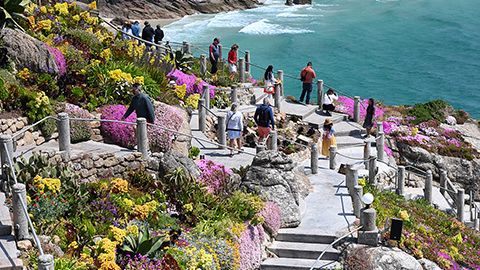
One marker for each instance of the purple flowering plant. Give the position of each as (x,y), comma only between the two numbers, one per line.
(272,215)
(249,246)
(59,59)
(346,105)
(119,133)
(216,177)
(194,84)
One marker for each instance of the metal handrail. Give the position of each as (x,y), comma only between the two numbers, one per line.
(208,110)
(33,125)
(388,164)
(334,242)
(24,206)
(285,139)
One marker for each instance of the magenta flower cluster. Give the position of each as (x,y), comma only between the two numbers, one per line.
(249,246)
(59,60)
(141,262)
(122,134)
(346,105)
(166,116)
(215,177)
(79,130)
(272,215)
(193,86)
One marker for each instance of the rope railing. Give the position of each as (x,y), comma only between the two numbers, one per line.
(24,206)
(33,125)
(333,243)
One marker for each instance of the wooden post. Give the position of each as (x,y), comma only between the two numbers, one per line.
(381,146)
(64,133)
(6,149)
(202,115)
(278,98)
(333,156)
(222,138)
(20,222)
(320,94)
(367,152)
(429,187)
(351,178)
(372,170)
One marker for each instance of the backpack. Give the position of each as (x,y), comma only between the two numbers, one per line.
(264,117)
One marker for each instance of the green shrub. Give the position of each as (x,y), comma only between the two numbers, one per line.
(193,152)
(47,127)
(436,109)
(221,100)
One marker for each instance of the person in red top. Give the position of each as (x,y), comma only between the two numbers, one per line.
(307,75)
(232,60)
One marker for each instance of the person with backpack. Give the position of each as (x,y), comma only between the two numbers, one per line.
(264,119)
(328,139)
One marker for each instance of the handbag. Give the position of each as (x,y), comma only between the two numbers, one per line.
(302,78)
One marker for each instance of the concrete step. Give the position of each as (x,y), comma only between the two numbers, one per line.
(318,118)
(300,250)
(306,235)
(8,256)
(303,111)
(297,264)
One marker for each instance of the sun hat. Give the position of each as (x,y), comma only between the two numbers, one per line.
(327,122)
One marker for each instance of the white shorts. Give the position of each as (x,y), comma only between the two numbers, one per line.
(232,67)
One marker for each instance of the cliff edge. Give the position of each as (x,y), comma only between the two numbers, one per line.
(167,9)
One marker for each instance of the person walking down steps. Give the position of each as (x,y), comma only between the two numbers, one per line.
(328,137)
(214,55)
(368,124)
(234,124)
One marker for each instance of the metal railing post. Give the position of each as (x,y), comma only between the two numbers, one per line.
(203,64)
(381,146)
(142,139)
(333,157)
(247,63)
(461,204)
(401,180)
(280,77)
(20,222)
(367,152)
(443,181)
(64,133)
(320,94)
(357,200)
(314,159)
(234,94)
(356,109)
(272,141)
(351,177)
(6,150)
(206,95)
(259,148)
(186,47)
(241,69)
(222,138)
(372,170)
(429,187)
(379,127)
(45,262)
(278,98)
(202,115)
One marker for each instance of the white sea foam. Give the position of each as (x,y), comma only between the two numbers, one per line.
(262,27)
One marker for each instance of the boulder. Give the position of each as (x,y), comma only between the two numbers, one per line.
(164,162)
(271,176)
(386,258)
(182,143)
(429,265)
(27,52)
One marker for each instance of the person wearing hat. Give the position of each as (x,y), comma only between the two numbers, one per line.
(214,55)
(148,32)
(136,29)
(264,119)
(328,139)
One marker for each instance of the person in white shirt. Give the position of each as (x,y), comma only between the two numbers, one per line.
(234,124)
(328,100)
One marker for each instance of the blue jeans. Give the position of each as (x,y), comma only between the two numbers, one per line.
(307,88)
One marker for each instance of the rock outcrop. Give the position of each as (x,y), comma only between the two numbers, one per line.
(164,162)
(167,9)
(27,52)
(271,176)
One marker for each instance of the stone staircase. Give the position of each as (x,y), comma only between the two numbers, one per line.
(8,245)
(299,248)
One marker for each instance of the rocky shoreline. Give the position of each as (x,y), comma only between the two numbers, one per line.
(168,9)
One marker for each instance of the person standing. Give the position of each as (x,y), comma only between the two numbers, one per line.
(368,124)
(328,137)
(158,35)
(136,29)
(232,60)
(214,55)
(141,104)
(269,81)
(307,75)
(148,32)
(234,124)
(264,119)
(328,100)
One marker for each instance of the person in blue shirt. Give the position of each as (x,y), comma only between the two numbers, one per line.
(264,119)
(214,55)
(136,29)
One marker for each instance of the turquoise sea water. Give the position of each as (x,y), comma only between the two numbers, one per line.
(402,52)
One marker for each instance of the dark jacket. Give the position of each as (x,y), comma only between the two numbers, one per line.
(142,106)
(158,35)
(269,111)
(147,33)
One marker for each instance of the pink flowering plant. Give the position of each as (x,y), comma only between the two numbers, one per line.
(194,84)
(346,105)
(272,215)
(59,59)
(249,246)
(119,133)
(79,130)
(216,177)
(160,140)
